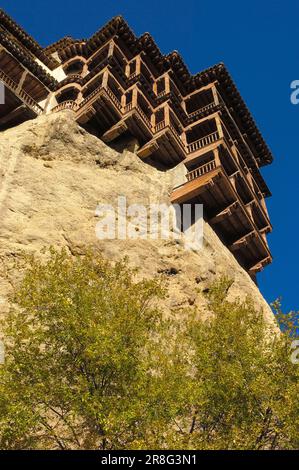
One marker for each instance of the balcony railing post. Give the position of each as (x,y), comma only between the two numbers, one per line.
(134,97)
(123,102)
(153,120)
(219,127)
(215,95)
(105,79)
(217,157)
(138,65)
(167,84)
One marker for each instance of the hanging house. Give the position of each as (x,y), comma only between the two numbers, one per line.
(118,85)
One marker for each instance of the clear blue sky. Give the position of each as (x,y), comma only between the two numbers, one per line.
(258,41)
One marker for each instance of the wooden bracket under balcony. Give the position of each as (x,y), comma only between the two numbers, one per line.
(266,230)
(148,149)
(114,132)
(243,241)
(260,265)
(227,212)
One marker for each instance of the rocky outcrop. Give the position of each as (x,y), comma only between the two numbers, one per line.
(53,174)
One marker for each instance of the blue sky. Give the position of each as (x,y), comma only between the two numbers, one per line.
(257,40)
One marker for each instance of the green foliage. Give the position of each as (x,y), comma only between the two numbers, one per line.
(288,321)
(92,363)
(78,348)
(240,380)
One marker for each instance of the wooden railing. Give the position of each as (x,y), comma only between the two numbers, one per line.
(208,106)
(133,75)
(160,126)
(90,96)
(201,110)
(203,142)
(176,135)
(13,86)
(163,93)
(70,104)
(201,170)
(128,107)
(113,97)
(99,90)
(144,116)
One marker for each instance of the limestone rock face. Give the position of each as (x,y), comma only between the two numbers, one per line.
(53,174)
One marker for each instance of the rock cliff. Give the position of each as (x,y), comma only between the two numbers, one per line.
(52,176)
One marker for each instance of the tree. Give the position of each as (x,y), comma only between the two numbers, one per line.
(78,355)
(92,364)
(243,390)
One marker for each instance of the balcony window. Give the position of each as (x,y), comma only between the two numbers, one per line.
(132,67)
(201,135)
(119,59)
(97,82)
(114,87)
(161,86)
(99,58)
(227,162)
(175,124)
(74,68)
(70,94)
(199,101)
(200,166)
(146,74)
(142,103)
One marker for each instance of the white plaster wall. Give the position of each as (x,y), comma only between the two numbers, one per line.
(58,73)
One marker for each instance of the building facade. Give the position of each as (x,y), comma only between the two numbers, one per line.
(119,85)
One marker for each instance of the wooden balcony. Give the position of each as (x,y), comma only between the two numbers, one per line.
(101,106)
(166,145)
(137,112)
(225,211)
(18,106)
(203,142)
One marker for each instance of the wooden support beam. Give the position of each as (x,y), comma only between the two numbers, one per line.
(248,207)
(21,81)
(138,65)
(166,115)
(167,84)
(260,265)
(135,97)
(233,181)
(227,212)
(148,149)
(217,156)
(267,229)
(111,49)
